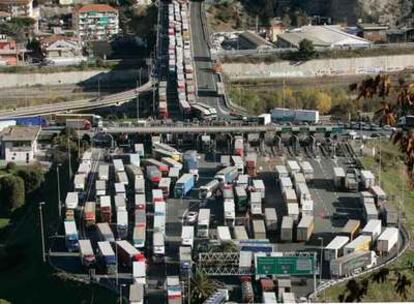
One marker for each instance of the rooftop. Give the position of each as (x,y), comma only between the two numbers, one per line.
(255,39)
(20,133)
(323,36)
(15,2)
(95,8)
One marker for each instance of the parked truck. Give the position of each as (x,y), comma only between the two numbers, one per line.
(136,293)
(259,229)
(247,290)
(270,219)
(367,179)
(373,229)
(87,255)
(305,228)
(79,182)
(106,208)
(238,146)
(307,170)
(339,177)
(281,171)
(71,236)
(361,243)
(174,292)
(389,214)
(335,248)
(100,188)
(379,195)
(251,164)
(104,232)
(89,214)
(370,211)
(190,159)
(122,223)
(128,253)
(351,180)
(387,240)
(286,229)
(184,185)
(227,175)
(186,259)
(258,186)
(107,256)
(348,264)
(351,228)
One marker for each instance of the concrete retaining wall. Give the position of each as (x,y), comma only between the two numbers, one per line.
(320,67)
(75,77)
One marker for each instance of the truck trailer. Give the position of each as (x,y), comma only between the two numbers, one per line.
(184,185)
(348,264)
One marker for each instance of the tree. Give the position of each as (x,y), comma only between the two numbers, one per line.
(32,176)
(402,284)
(12,192)
(380,276)
(201,287)
(322,102)
(306,50)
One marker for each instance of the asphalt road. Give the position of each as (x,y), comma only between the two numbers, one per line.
(206,79)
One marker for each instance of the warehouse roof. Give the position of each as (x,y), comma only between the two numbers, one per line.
(255,40)
(20,133)
(323,36)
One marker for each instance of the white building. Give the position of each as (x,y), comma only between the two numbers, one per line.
(324,36)
(19,143)
(18,8)
(144,2)
(96,22)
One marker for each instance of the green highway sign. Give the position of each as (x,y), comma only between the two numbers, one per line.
(285,265)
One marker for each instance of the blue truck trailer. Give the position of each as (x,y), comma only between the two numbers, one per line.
(184,185)
(30,121)
(71,236)
(190,159)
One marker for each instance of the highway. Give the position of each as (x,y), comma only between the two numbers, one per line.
(206,78)
(77,105)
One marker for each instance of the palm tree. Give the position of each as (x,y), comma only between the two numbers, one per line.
(386,114)
(201,287)
(402,284)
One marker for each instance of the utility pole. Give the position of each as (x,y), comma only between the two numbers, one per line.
(42,234)
(189,286)
(58,188)
(69,158)
(137,103)
(321,261)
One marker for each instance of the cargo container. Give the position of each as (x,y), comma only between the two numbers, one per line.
(238,146)
(389,214)
(100,188)
(78,124)
(307,207)
(163,168)
(379,195)
(351,228)
(370,212)
(164,185)
(243,180)
(258,229)
(293,167)
(373,229)
(71,236)
(367,179)
(118,165)
(158,247)
(366,196)
(122,223)
(87,255)
(184,185)
(270,219)
(289,197)
(237,162)
(84,168)
(103,172)
(187,236)
(128,253)
(186,259)
(251,164)
(281,171)
(361,243)
(120,189)
(105,232)
(269,297)
(89,214)
(293,211)
(208,190)
(339,177)
(174,174)
(225,161)
(351,180)
(106,208)
(387,240)
(174,292)
(265,119)
(172,163)
(286,229)
(223,234)
(120,202)
(72,200)
(306,169)
(229,213)
(240,233)
(305,228)
(350,263)
(135,159)
(335,248)
(79,182)
(258,186)
(108,257)
(139,149)
(226,175)
(203,223)
(136,293)
(153,174)
(138,236)
(247,290)
(140,201)
(303,193)
(298,178)
(288,297)
(285,183)
(159,223)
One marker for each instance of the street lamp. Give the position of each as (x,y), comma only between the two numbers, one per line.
(42,234)
(321,261)
(58,189)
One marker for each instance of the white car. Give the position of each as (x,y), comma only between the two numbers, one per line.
(191,217)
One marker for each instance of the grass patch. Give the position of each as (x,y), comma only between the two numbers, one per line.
(396,184)
(3,223)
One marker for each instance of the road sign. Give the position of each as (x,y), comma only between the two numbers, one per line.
(285,265)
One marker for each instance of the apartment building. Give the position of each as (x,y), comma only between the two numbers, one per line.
(18,8)
(95,22)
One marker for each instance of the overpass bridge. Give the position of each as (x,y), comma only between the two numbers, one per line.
(78,105)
